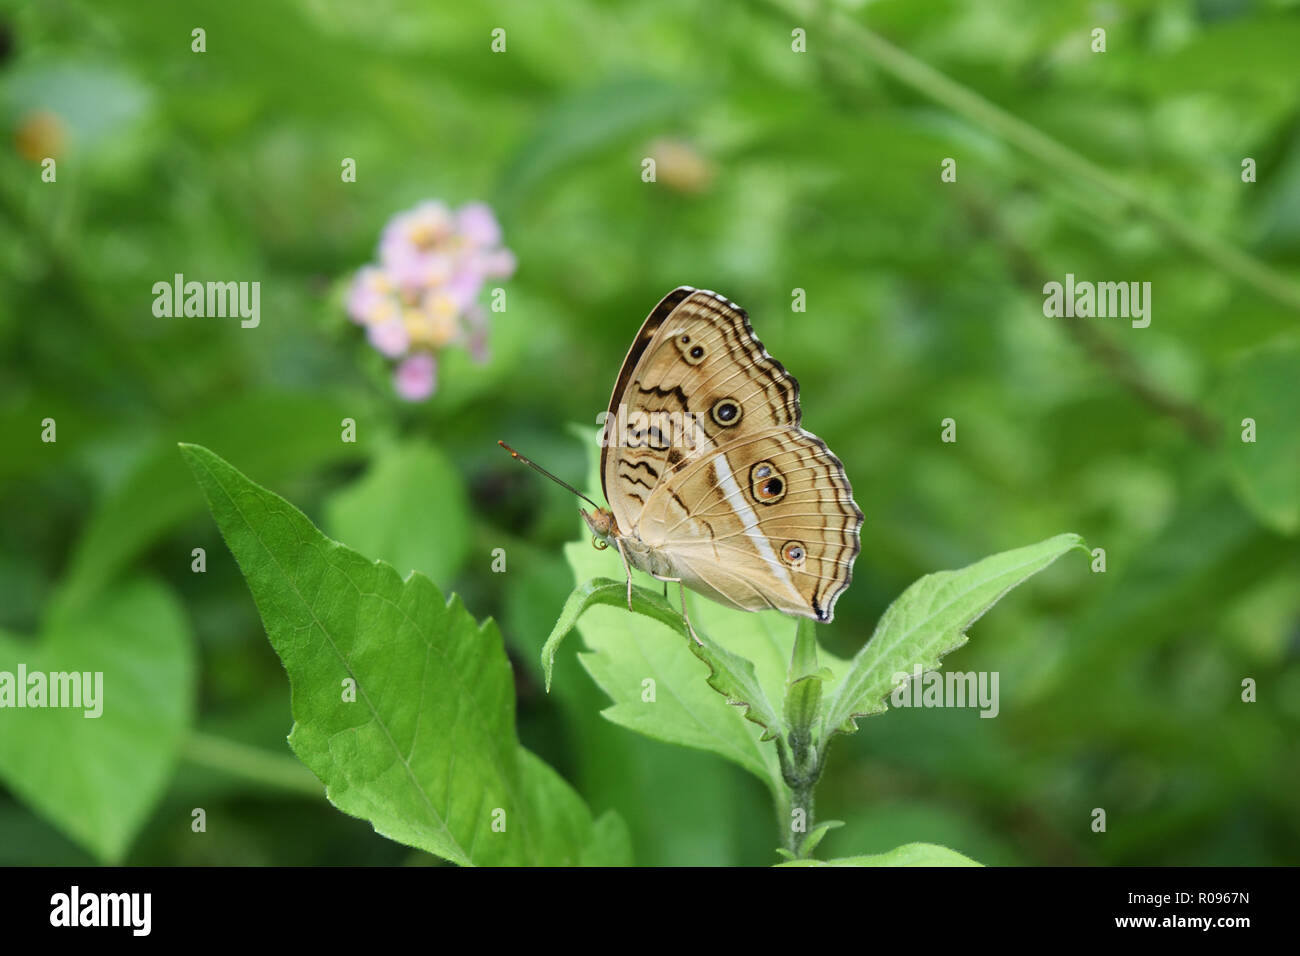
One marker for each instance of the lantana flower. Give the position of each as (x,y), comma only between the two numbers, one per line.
(422,295)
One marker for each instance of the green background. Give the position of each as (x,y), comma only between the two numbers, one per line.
(817,171)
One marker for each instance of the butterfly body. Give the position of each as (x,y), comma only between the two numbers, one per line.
(710,479)
(640,555)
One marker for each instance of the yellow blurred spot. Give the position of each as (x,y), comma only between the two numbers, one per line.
(443,326)
(679,166)
(41,134)
(417,327)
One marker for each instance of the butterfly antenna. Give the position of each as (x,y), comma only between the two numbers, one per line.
(538,468)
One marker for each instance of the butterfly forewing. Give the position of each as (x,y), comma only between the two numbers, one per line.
(695,378)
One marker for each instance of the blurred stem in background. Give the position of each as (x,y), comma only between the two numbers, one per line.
(1028,271)
(253,764)
(975,108)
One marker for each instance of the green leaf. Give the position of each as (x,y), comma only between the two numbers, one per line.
(803,692)
(816,835)
(730,675)
(427,751)
(98,779)
(910,854)
(803,659)
(410,509)
(1266,471)
(928,621)
(568,835)
(659,688)
(610,843)
(802,702)
(602,591)
(683,807)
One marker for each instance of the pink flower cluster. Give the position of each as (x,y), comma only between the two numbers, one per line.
(421,297)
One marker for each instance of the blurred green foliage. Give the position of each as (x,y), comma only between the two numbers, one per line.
(817,171)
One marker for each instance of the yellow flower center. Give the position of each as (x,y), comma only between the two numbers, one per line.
(442,320)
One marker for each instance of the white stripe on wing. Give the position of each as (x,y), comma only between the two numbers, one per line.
(733,494)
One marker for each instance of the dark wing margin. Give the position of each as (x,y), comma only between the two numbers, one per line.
(782,387)
(642,341)
(851,532)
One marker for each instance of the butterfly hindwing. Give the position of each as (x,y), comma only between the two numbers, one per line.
(773,514)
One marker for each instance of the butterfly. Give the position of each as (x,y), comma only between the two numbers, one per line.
(710,479)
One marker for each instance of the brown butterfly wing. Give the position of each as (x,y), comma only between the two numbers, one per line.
(766,521)
(695,378)
(698,412)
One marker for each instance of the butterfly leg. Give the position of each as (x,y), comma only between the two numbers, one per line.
(686,618)
(628,568)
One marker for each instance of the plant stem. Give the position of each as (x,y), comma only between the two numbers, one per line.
(801,764)
(1027,271)
(251,763)
(801,797)
(801,769)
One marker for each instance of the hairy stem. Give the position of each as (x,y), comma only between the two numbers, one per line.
(801,768)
